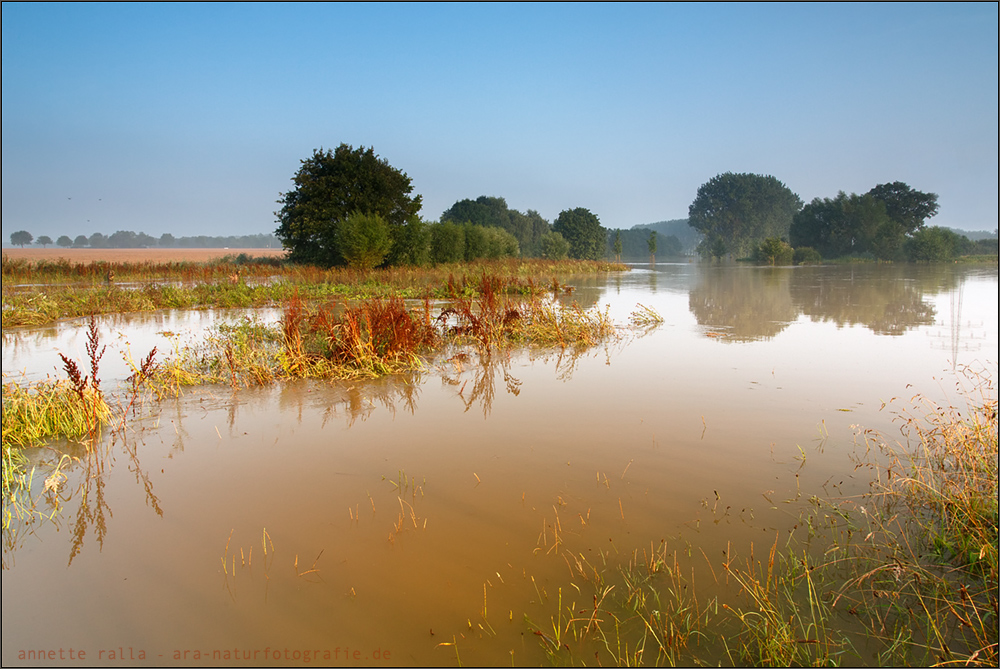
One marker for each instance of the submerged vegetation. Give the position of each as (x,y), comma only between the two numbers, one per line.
(906,575)
(376,337)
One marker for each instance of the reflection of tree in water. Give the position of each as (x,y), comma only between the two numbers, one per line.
(747,303)
(887,299)
(755,303)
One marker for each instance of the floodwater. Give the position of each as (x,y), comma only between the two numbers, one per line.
(426,520)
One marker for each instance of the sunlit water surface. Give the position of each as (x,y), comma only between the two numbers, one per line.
(379,520)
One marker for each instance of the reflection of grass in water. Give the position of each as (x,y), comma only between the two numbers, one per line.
(907,575)
(72,408)
(17,506)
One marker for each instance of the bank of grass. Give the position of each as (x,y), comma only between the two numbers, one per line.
(905,576)
(927,586)
(72,408)
(977,260)
(35,412)
(380,336)
(41,292)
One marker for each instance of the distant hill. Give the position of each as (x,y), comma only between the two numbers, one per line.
(974,235)
(679,228)
(635,244)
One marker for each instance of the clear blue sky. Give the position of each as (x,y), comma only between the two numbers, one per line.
(192,119)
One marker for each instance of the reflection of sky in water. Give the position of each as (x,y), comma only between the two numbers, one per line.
(35,351)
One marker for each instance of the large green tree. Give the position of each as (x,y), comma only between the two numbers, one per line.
(907,207)
(582,229)
(329,187)
(741,210)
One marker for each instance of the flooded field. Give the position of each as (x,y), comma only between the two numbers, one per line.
(465,514)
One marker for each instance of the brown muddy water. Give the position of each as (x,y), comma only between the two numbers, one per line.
(375,522)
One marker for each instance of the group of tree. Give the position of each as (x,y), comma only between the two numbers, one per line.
(876,224)
(351,207)
(758,217)
(127,239)
(255,241)
(457,242)
(527,228)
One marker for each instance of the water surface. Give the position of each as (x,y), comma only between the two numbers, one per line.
(389,517)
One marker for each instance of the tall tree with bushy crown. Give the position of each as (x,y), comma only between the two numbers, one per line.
(741,210)
(330,186)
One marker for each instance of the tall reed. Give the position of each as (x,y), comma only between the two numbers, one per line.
(71,408)
(925,574)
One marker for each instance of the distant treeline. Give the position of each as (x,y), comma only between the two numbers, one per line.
(259,241)
(949,242)
(127,239)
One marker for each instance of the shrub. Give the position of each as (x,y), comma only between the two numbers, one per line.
(773,251)
(554,246)
(364,240)
(806,255)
